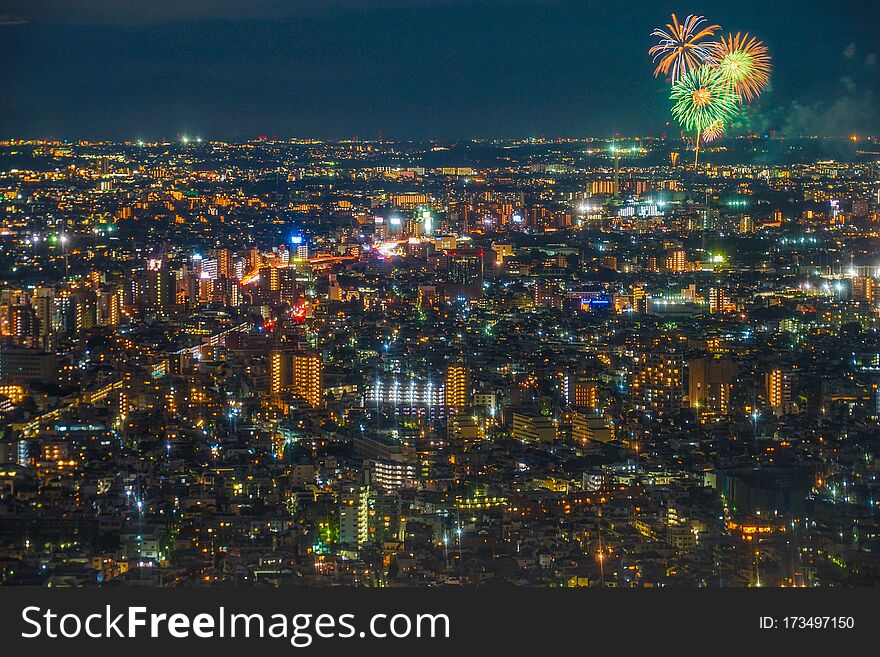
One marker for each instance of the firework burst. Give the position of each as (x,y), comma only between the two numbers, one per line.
(681,48)
(701,98)
(743,63)
(712,131)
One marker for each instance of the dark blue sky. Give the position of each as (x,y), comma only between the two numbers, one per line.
(412,68)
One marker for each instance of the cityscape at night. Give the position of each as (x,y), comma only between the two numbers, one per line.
(648,358)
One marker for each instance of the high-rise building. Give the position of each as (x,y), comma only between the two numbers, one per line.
(746,224)
(287,284)
(161,287)
(42,302)
(864,288)
(778,388)
(279,371)
(85,309)
(710,381)
(675,260)
(457,386)
(19,364)
(586,394)
(874,408)
(270,278)
(720,301)
(464,273)
(657,382)
(354,514)
(533,428)
(109,311)
(224,263)
(586,428)
(384,518)
(640,298)
(306,378)
(18,322)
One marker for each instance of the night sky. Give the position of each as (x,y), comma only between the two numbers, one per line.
(414,69)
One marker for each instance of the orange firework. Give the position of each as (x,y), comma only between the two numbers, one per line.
(681,48)
(744,63)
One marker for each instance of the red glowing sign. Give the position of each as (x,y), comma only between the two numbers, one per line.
(299,311)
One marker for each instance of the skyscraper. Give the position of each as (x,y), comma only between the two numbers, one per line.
(657,382)
(778,387)
(306,380)
(354,510)
(710,382)
(464,273)
(457,386)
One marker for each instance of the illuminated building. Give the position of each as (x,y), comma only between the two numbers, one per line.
(427,295)
(746,224)
(720,301)
(42,301)
(710,382)
(354,507)
(466,428)
(306,378)
(457,386)
(586,394)
(657,383)
(675,260)
(279,371)
(109,310)
(408,200)
(586,428)
(864,288)
(407,397)
(464,273)
(270,278)
(208,268)
(609,262)
(224,263)
(546,296)
(640,298)
(85,308)
(380,229)
(393,475)
(18,321)
(161,287)
(384,519)
(530,428)
(14,392)
(605,187)
(502,251)
(778,388)
(287,284)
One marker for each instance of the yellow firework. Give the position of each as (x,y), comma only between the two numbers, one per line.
(743,63)
(713,131)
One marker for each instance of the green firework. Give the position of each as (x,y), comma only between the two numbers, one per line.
(702,97)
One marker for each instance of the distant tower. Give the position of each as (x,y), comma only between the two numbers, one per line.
(616,166)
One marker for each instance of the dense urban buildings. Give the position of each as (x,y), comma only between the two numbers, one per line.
(535,362)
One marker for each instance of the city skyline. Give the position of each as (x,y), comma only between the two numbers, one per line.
(245,353)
